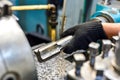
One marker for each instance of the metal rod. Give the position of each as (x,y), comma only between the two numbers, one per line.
(32,7)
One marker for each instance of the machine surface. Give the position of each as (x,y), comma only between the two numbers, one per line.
(16,59)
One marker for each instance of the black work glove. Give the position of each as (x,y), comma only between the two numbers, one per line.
(83,35)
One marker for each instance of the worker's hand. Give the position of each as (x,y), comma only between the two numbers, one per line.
(83,35)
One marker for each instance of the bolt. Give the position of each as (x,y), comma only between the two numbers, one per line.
(93,48)
(106,45)
(79,60)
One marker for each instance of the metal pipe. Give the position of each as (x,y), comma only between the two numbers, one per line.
(53,23)
(32,7)
(53,34)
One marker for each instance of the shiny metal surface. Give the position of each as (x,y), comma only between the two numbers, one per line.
(15,52)
(93,48)
(106,45)
(51,49)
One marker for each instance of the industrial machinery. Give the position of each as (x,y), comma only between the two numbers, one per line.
(16,60)
(19,62)
(16,56)
(107,11)
(103,66)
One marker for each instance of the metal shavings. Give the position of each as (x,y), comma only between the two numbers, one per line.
(53,69)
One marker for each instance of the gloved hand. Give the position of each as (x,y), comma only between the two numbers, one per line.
(83,35)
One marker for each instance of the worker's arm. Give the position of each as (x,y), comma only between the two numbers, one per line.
(111,29)
(89,32)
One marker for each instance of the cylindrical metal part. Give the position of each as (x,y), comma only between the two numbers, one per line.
(64,41)
(93,47)
(79,60)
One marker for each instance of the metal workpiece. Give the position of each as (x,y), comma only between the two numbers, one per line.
(16,59)
(93,51)
(47,51)
(106,46)
(51,49)
(64,41)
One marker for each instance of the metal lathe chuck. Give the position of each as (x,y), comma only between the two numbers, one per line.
(16,60)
